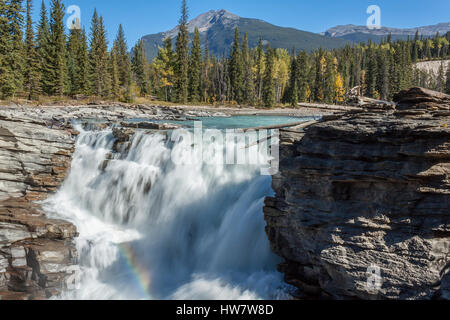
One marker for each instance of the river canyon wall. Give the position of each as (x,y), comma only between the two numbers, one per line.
(362,204)
(35,252)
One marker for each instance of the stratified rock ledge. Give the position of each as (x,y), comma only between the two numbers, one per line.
(35,252)
(362,191)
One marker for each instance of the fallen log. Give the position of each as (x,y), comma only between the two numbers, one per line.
(299,125)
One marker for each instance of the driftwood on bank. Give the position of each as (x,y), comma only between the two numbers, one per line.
(294,127)
(328,107)
(298,124)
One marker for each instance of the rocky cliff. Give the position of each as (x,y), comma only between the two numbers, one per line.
(362,204)
(35,252)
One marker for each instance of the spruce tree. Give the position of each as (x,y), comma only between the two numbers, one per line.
(83,65)
(57,58)
(114,72)
(44,51)
(16,57)
(206,72)
(100,77)
(236,69)
(182,56)
(78,62)
(382,77)
(302,74)
(122,56)
(269,82)
(259,69)
(293,81)
(6,72)
(248,85)
(330,78)
(139,67)
(319,81)
(371,75)
(195,64)
(32,72)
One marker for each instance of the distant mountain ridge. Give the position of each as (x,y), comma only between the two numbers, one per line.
(362,33)
(219,25)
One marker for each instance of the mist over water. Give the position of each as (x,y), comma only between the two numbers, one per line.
(152,229)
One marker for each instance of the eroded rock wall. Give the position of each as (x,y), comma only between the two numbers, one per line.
(365,192)
(35,252)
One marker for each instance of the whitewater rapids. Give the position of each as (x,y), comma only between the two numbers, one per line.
(153,229)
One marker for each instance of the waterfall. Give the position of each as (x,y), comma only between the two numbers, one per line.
(153,229)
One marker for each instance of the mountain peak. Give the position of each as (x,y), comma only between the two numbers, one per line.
(206,20)
(218,26)
(349,29)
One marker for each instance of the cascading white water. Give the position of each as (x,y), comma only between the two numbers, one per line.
(152,229)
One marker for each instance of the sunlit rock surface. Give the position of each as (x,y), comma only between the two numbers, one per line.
(366,192)
(35,251)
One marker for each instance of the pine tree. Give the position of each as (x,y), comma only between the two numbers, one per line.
(206,72)
(31,74)
(303,76)
(195,64)
(330,78)
(293,81)
(163,65)
(319,81)
(44,51)
(78,62)
(249,84)
(57,44)
(182,56)
(100,77)
(114,72)
(371,75)
(139,67)
(16,55)
(84,85)
(415,48)
(122,56)
(259,69)
(269,83)
(129,86)
(6,72)
(382,78)
(236,69)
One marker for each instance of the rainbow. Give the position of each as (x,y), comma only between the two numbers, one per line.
(140,272)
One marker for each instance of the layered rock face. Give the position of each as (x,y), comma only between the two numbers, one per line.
(362,205)
(35,252)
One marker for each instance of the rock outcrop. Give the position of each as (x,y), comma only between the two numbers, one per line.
(362,204)
(35,252)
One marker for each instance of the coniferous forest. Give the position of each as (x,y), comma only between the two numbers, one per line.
(40,59)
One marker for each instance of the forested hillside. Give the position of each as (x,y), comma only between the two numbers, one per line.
(45,61)
(218,27)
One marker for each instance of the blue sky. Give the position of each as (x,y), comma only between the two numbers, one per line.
(141,17)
